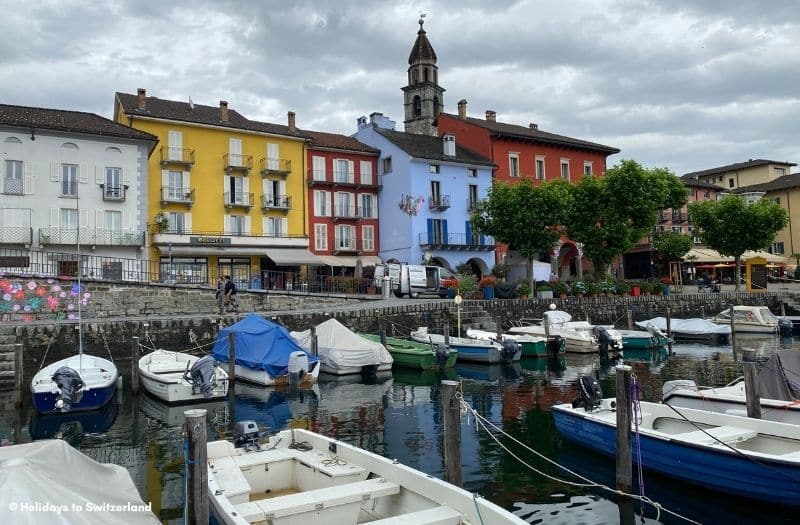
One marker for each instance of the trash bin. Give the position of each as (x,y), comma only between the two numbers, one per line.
(636,290)
(666,289)
(488,292)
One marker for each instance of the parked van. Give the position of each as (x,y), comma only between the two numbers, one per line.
(409,279)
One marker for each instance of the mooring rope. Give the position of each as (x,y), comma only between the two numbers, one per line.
(588,483)
(637,415)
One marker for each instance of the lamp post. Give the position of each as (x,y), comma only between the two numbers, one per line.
(458,299)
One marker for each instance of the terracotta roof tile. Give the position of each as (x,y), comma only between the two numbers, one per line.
(752,163)
(431,148)
(322,139)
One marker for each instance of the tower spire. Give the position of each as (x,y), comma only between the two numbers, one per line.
(423,97)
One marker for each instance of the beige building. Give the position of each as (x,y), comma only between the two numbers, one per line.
(784,191)
(733,176)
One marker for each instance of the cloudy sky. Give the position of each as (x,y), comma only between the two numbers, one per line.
(683,84)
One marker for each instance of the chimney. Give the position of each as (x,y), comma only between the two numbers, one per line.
(491,116)
(362,122)
(449,142)
(223,110)
(462,108)
(142,99)
(534,126)
(292,126)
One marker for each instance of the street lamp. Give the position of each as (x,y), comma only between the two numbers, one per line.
(458,299)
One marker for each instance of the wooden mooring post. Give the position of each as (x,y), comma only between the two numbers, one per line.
(231,365)
(751,384)
(733,328)
(783,308)
(197,470)
(452,432)
(382,333)
(498,328)
(624,459)
(446,331)
(314,341)
(19,387)
(135,365)
(669,330)
(630,318)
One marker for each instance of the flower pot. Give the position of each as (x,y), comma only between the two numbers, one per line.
(488,292)
(635,290)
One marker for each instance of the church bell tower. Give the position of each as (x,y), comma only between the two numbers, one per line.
(423,97)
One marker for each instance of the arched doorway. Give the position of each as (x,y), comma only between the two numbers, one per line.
(479,267)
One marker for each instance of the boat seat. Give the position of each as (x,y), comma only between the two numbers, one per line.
(263,457)
(318,499)
(231,480)
(442,515)
(316,460)
(250,511)
(726,434)
(166,368)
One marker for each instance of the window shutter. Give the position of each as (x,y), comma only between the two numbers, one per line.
(164,178)
(29,178)
(83,219)
(246,185)
(284,225)
(247,224)
(99,175)
(83,172)
(186,181)
(126,220)
(99,223)
(468,229)
(444,231)
(55,171)
(55,216)
(430,230)
(318,168)
(282,188)
(351,169)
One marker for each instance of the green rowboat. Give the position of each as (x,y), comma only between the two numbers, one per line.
(412,354)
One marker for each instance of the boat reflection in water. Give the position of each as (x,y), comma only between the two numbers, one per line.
(417,377)
(482,372)
(71,426)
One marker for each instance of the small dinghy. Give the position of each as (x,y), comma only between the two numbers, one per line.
(413,354)
(530,345)
(473,349)
(77,383)
(176,377)
(304,477)
(344,352)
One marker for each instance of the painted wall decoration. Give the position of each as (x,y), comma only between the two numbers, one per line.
(30,299)
(410,204)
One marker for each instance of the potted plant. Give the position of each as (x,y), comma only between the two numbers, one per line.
(644,288)
(592,288)
(579,288)
(561,289)
(623,288)
(468,286)
(501,271)
(486,284)
(451,284)
(161,221)
(523,290)
(544,291)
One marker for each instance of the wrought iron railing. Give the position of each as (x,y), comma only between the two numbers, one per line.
(439,202)
(238,198)
(275,166)
(182,156)
(113,193)
(457,240)
(170,194)
(237,161)
(90,237)
(345,212)
(276,202)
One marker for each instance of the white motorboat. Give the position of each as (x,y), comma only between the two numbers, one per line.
(695,329)
(344,352)
(304,477)
(77,383)
(778,390)
(476,350)
(749,319)
(176,377)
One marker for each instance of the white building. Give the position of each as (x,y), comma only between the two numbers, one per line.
(70,178)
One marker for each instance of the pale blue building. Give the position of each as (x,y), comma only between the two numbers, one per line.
(430,186)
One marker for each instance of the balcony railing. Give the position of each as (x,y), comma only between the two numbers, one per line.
(472,205)
(172,195)
(113,193)
(13,186)
(270,166)
(339,179)
(90,237)
(237,162)
(678,217)
(238,199)
(16,235)
(439,202)
(276,202)
(177,156)
(457,241)
(345,212)
(346,245)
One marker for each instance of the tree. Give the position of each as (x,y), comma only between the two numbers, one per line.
(732,227)
(525,216)
(611,214)
(671,246)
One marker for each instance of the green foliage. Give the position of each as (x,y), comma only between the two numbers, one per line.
(732,227)
(501,271)
(672,246)
(622,287)
(610,214)
(523,289)
(467,284)
(560,288)
(464,269)
(525,216)
(579,287)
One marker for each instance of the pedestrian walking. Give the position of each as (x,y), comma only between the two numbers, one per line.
(220,296)
(230,295)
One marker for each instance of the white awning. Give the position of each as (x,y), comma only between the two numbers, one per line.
(349,262)
(293,256)
(707,255)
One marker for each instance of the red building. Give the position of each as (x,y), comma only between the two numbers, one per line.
(527,152)
(343,200)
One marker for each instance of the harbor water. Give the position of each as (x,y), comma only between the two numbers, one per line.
(398,415)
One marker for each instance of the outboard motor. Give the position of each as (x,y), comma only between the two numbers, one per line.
(202,374)
(442,353)
(605,341)
(510,349)
(555,345)
(785,327)
(591,394)
(246,434)
(298,366)
(70,386)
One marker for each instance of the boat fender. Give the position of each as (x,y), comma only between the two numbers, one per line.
(590,393)
(70,387)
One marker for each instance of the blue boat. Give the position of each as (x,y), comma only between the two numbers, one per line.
(78,383)
(746,457)
(73,423)
(265,353)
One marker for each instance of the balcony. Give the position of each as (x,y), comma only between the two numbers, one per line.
(280,167)
(171,195)
(237,162)
(340,180)
(678,216)
(346,245)
(16,235)
(177,157)
(276,202)
(90,237)
(238,200)
(472,205)
(13,186)
(114,193)
(457,241)
(439,202)
(345,213)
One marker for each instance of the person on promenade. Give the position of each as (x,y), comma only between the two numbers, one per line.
(230,295)
(220,296)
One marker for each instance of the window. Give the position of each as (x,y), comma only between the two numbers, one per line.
(658,228)
(236,225)
(434,168)
(69,219)
(587,168)
(275,227)
(367,206)
(273,156)
(780,172)
(322,203)
(343,171)
(368,238)
(540,173)
(677,229)
(176,222)
(113,226)
(175,145)
(777,200)
(236,189)
(777,248)
(417,103)
(386,164)
(472,172)
(437,231)
(565,169)
(705,194)
(321,237)
(13,183)
(176,185)
(473,197)
(235,152)
(365,167)
(345,237)
(436,192)
(113,185)
(69,180)
(730,183)
(676,215)
(318,169)
(513,165)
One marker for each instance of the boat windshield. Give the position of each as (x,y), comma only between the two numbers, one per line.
(767,316)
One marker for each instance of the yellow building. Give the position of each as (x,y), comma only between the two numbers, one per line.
(225,195)
(753,171)
(784,191)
